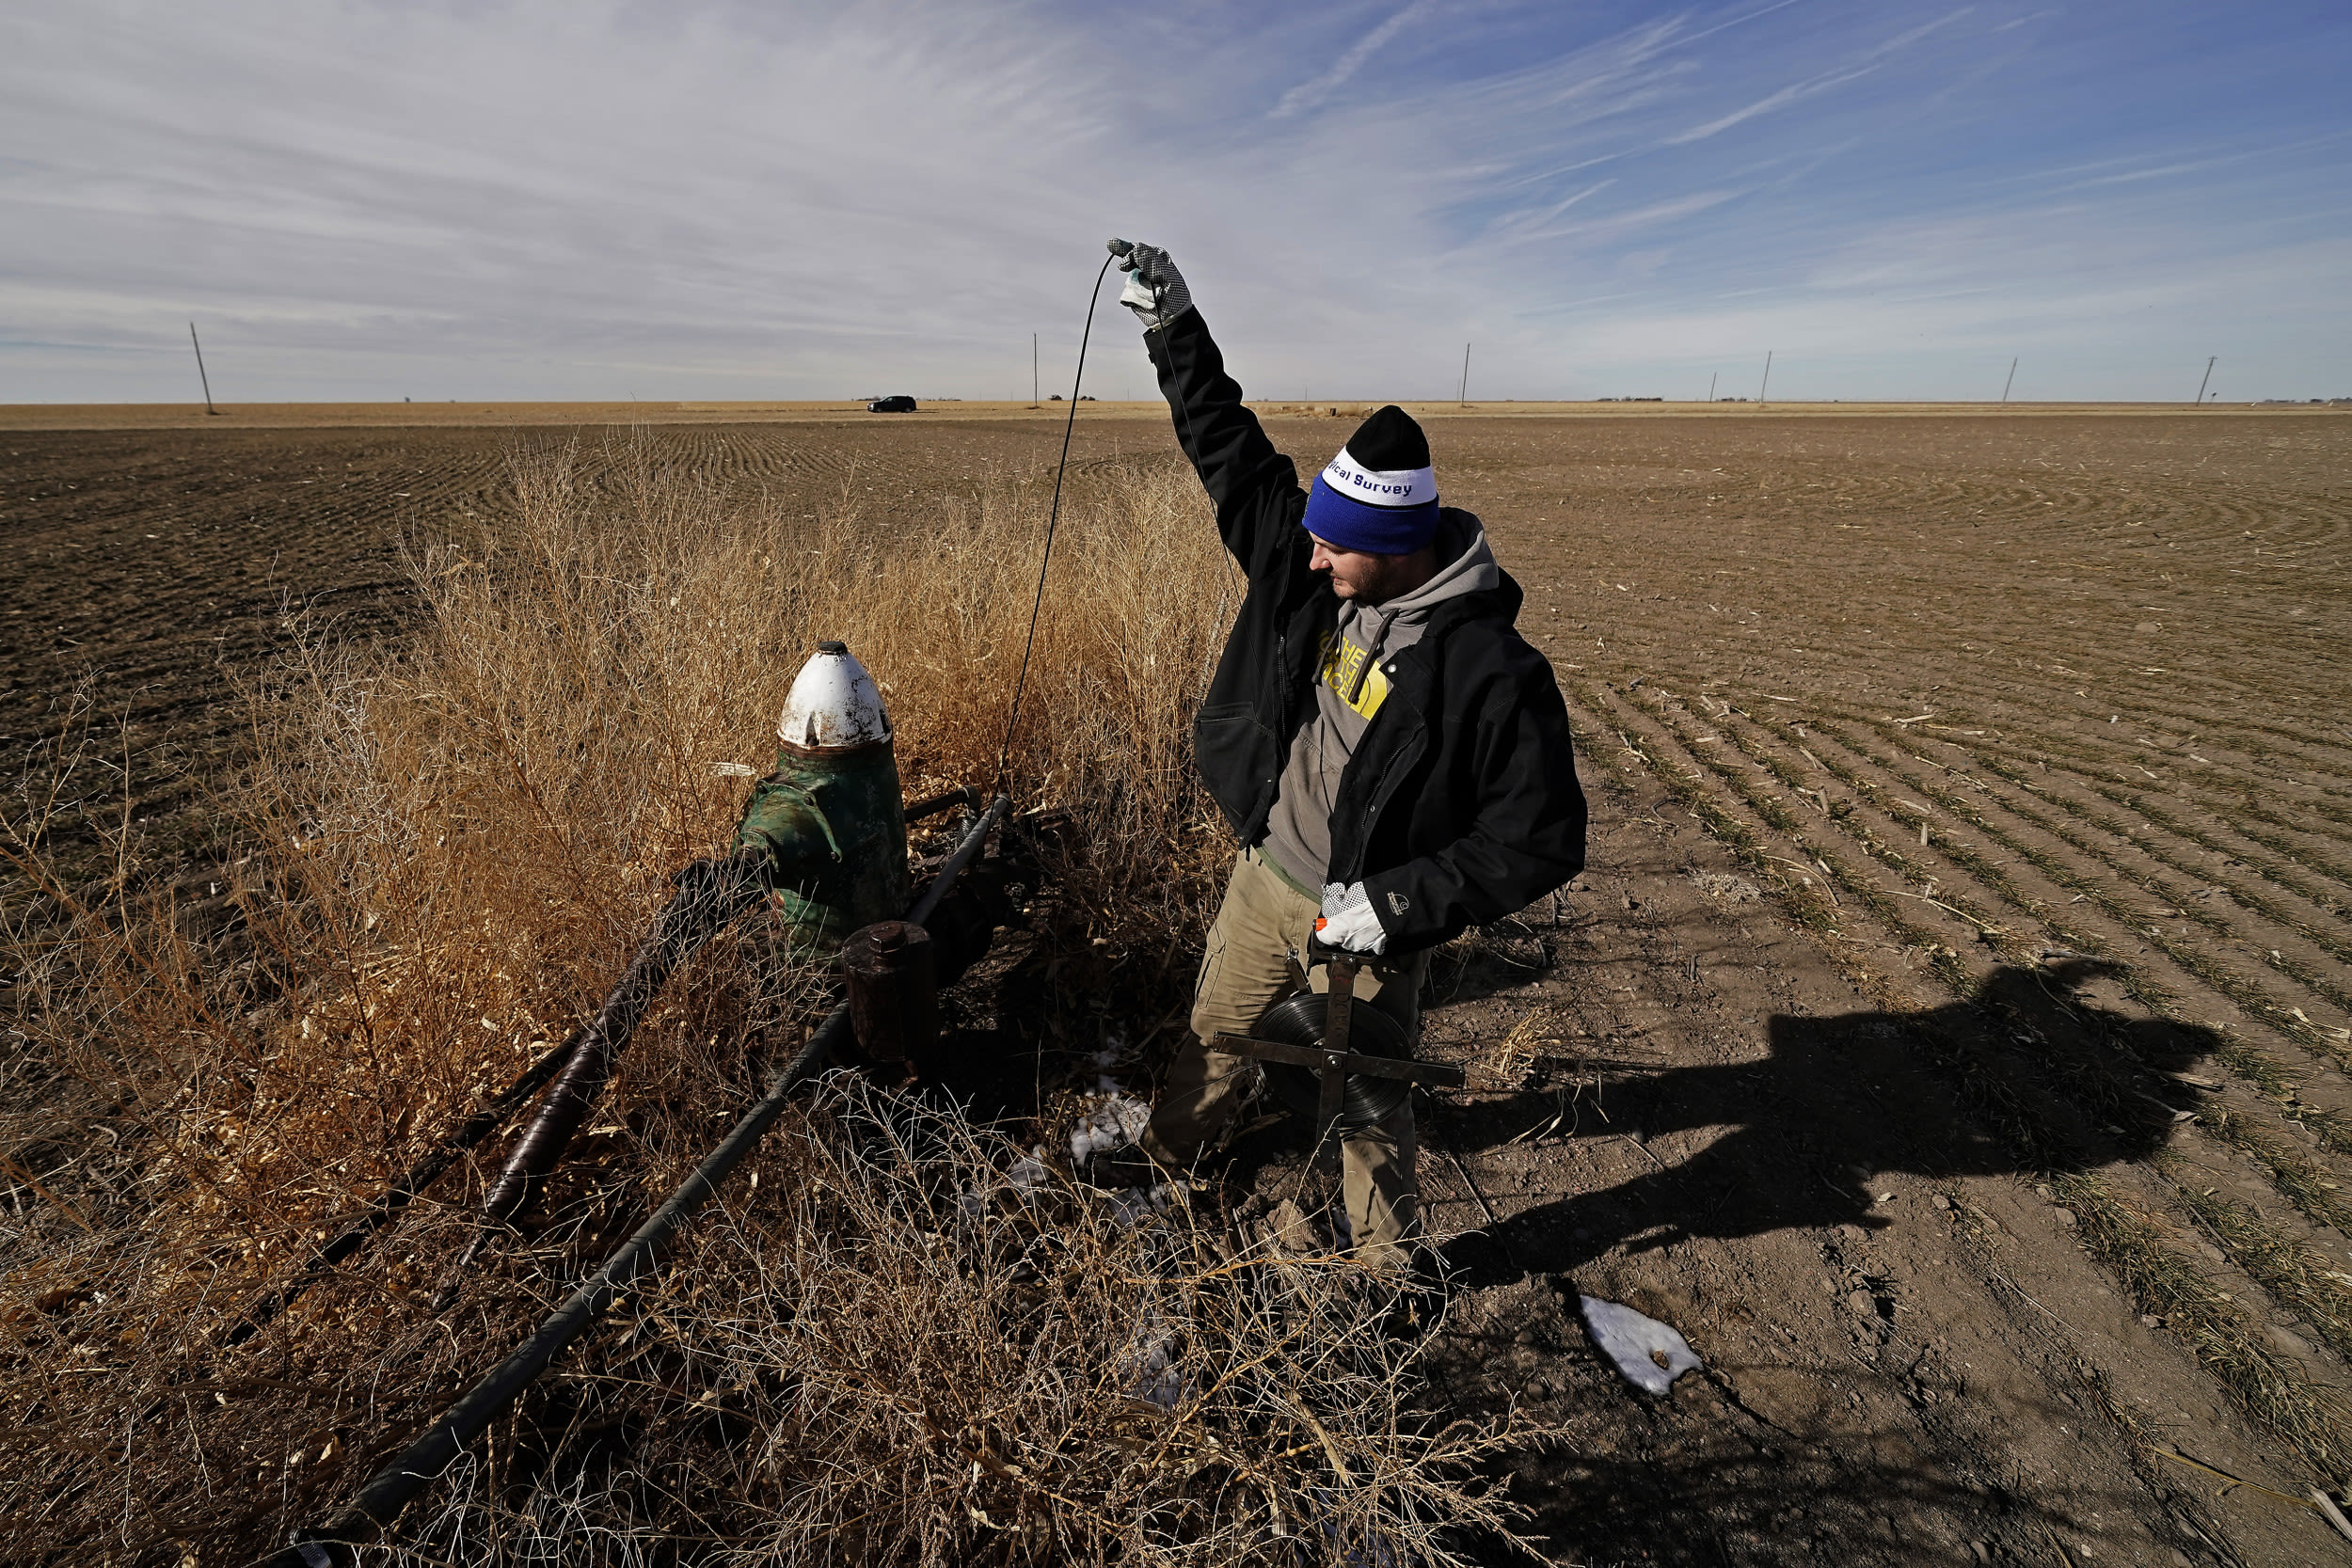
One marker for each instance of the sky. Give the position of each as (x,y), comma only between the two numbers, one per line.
(712,200)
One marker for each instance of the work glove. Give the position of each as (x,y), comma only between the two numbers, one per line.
(1348,919)
(1155,290)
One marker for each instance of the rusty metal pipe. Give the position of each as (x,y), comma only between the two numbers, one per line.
(893,992)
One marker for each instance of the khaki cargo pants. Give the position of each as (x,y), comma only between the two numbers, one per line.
(1245,971)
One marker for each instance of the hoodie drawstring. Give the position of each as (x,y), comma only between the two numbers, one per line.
(1363,670)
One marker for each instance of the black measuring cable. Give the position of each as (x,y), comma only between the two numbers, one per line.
(1004,751)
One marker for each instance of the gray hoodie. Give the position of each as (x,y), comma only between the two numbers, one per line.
(1350,686)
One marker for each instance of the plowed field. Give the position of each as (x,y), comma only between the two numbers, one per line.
(1950,1035)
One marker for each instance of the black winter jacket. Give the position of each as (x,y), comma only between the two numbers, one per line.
(1461,803)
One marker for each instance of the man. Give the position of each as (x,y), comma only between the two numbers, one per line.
(1392,754)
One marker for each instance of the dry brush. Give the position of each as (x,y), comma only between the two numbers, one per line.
(888,1350)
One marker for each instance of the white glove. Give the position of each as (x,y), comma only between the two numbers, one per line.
(1348,921)
(1155,290)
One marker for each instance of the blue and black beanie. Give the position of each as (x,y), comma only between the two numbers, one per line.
(1379,494)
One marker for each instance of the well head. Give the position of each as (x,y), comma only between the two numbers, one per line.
(833,706)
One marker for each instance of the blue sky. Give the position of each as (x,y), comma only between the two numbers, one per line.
(544,199)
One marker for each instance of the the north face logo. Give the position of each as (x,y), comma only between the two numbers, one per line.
(1398,903)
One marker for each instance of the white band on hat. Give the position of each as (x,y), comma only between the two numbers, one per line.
(1398,487)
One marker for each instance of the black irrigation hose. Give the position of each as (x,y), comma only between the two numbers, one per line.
(932,805)
(711,893)
(1004,751)
(411,1183)
(405,1191)
(694,896)
(974,842)
(397,1484)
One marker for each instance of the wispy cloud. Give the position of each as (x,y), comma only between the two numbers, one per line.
(1796,93)
(1799,92)
(545,198)
(1741,20)
(1530,218)
(2174,169)
(1629,222)
(1310,94)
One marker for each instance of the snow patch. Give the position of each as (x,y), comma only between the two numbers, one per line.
(1110,1118)
(1029,1173)
(1135,1205)
(1155,1378)
(1107,1120)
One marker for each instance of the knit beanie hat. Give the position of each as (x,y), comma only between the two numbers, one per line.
(1380,494)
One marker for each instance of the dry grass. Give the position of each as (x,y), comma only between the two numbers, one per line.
(1538,1036)
(932,1349)
(455,841)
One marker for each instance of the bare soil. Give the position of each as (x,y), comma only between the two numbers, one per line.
(1948,1036)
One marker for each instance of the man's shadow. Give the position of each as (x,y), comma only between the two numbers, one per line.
(2027,1075)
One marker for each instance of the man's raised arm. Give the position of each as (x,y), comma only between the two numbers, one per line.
(1255,488)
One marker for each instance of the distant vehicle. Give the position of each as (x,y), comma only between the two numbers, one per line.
(899,404)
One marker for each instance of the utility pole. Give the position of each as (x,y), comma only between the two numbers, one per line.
(1710,385)
(2013,378)
(1463,398)
(1768,379)
(208,380)
(1032,370)
(2201,385)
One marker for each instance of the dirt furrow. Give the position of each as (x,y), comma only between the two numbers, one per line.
(2008,709)
(2269,1129)
(2266,1127)
(2304,951)
(2108,929)
(2219,792)
(2032,838)
(2256,1243)
(2127,1229)
(2047,788)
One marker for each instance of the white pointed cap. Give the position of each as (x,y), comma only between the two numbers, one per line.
(834,705)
